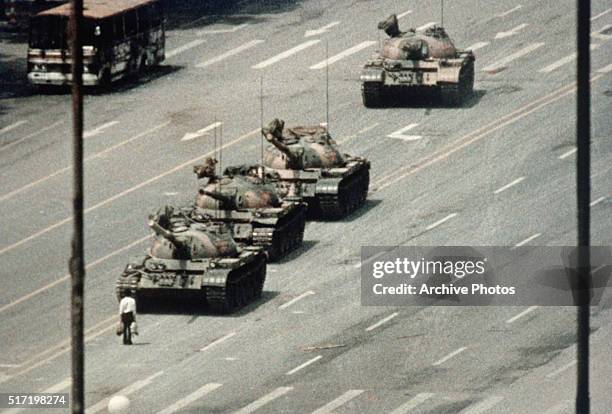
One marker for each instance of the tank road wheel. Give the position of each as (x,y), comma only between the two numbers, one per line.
(372,94)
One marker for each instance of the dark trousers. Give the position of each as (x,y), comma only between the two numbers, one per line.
(127,318)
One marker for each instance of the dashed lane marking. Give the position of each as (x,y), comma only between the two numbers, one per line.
(194,396)
(348,52)
(521,314)
(338,402)
(561,369)
(507,186)
(412,403)
(564,61)
(304,365)
(222,31)
(477,45)
(286,54)
(279,392)
(441,221)
(559,408)
(218,341)
(99,129)
(568,153)
(201,132)
(595,202)
(605,69)
(185,47)
(381,322)
(527,240)
(511,32)
(230,53)
(401,133)
(321,30)
(404,14)
(482,406)
(603,13)
(449,356)
(130,389)
(32,135)
(507,12)
(10,127)
(296,299)
(502,63)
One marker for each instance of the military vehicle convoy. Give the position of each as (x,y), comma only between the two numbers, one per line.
(416,62)
(251,207)
(304,161)
(195,260)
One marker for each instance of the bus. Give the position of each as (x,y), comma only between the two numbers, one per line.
(120,38)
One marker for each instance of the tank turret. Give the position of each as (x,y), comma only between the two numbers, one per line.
(417,61)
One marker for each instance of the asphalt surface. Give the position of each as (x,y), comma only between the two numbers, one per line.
(324,350)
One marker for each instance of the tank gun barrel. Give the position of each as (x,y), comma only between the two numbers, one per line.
(160,231)
(282,147)
(227,201)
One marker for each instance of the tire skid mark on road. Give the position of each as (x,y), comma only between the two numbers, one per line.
(474,136)
(124,193)
(87,159)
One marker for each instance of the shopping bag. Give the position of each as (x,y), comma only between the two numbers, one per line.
(120,328)
(134,328)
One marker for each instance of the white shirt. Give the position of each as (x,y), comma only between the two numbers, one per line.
(127,304)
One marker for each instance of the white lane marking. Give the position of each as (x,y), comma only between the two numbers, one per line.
(568,153)
(599,35)
(280,391)
(564,61)
(507,186)
(66,169)
(348,52)
(130,389)
(605,69)
(33,134)
(10,127)
(425,26)
(9,365)
(502,63)
(521,314)
(298,312)
(382,321)
(603,13)
(527,240)
(561,369)
(201,132)
(511,32)
(220,31)
(286,54)
(60,386)
(186,46)
(437,223)
(99,129)
(304,365)
(218,341)
(369,259)
(171,193)
(507,12)
(562,407)
(404,14)
(125,192)
(483,405)
(477,45)
(368,128)
(412,403)
(194,396)
(230,53)
(400,133)
(321,30)
(595,202)
(297,298)
(449,356)
(338,402)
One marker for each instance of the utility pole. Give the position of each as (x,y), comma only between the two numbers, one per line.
(583,192)
(77,260)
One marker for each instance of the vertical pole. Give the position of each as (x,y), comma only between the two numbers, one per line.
(327,85)
(261,121)
(77,265)
(583,190)
(442,13)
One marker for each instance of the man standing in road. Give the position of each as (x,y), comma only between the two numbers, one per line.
(127,312)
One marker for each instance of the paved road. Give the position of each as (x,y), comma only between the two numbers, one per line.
(323,351)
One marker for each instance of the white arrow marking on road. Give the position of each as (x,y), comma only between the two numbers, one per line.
(413,403)
(603,13)
(201,132)
(511,32)
(399,134)
(404,14)
(220,31)
(503,62)
(507,12)
(338,402)
(425,26)
(297,298)
(324,29)
(477,46)
(343,54)
(12,126)
(194,396)
(185,47)
(599,35)
(230,53)
(286,54)
(563,61)
(99,129)
(280,391)
(482,406)
(130,389)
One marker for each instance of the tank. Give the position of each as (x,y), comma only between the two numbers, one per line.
(417,61)
(197,261)
(304,161)
(251,207)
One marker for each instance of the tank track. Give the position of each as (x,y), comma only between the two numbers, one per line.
(243,287)
(352,194)
(125,284)
(455,94)
(279,241)
(372,94)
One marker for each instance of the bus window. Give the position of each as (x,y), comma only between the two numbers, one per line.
(131,23)
(118,28)
(156,14)
(143,18)
(49,32)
